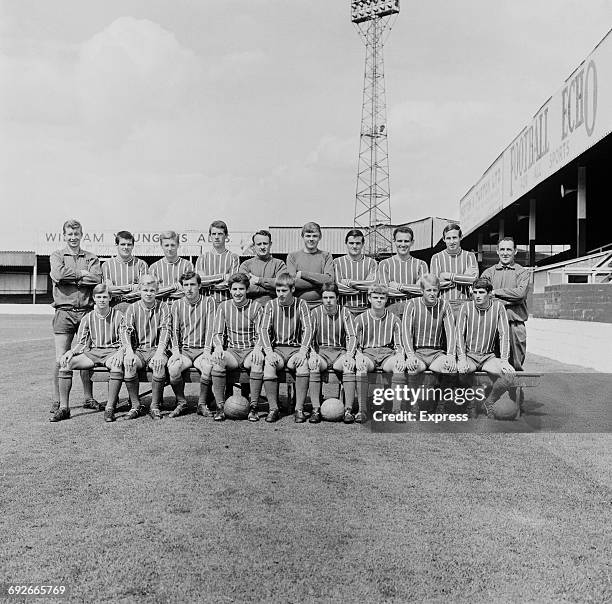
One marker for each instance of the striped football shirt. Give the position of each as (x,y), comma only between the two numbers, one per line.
(121,273)
(213,267)
(426,326)
(148,327)
(477,329)
(333,331)
(169,273)
(355,270)
(96,331)
(286,325)
(378,332)
(237,326)
(463,268)
(405,272)
(193,324)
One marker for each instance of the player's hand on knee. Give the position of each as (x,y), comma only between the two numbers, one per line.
(411,362)
(506,367)
(300,358)
(450,364)
(314,361)
(274,359)
(349,364)
(116,360)
(463,366)
(218,356)
(257,357)
(65,359)
(157,362)
(400,364)
(129,360)
(361,362)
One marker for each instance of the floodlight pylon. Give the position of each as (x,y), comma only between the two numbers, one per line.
(374,19)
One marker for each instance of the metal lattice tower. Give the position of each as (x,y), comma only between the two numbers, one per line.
(373,19)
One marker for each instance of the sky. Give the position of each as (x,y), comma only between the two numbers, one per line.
(154,114)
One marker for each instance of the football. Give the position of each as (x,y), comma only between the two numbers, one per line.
(332,410)
(236,407)
(505,408)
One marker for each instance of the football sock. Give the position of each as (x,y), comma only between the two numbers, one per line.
(218,386)
(301,390)
(132,387)
(114,385)
(397,379)
(348,381)
(204,390)
(315,389)
(256,382)
(362,391)
(87,383)
(157,392)
(55,381)
(65,385)
(271,385)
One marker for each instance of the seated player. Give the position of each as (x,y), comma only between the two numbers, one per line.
(192,328)
(455,267)
(285,335)
(237,323)
(262,269)
(428,333)
(310,266)
(333,347)
(168,269)
(354,273)
(98,344)
(401,272)
(379,345)
(481,322)
(146,335)
(216,265)
(123,272)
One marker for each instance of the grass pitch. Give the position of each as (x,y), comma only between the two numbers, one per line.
(187,510)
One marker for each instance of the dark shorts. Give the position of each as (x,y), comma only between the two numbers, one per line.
(480,359)
(100,355)
(378,355)
(192,353)
(240,354)
(146,354)
(428,355)
(286,352)
(67,321)
(331,355)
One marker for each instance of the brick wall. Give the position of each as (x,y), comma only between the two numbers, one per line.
(575,301)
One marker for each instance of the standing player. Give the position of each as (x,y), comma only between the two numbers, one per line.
(482,322)
(237,322)
(379,345)
(510,283)
(456,268)
(310,266)
(285,334)
(216,266)
(401,272)
(333,347)
(74,273)
(98,344)
(123,272)
(263,269)
(192,329)
(428,333)
(145,338)
(354,273)
(168,269)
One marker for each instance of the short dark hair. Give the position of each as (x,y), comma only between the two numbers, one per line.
(311,227)
(354,233)
(190,275)
(452,226)
(262,233)
(330,286)
(238,278)
(403,229)
(218,224)
(124,235)
(101,288)
(481,283)
(507,238)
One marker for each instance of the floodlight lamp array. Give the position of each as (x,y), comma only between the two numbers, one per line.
(365,10)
